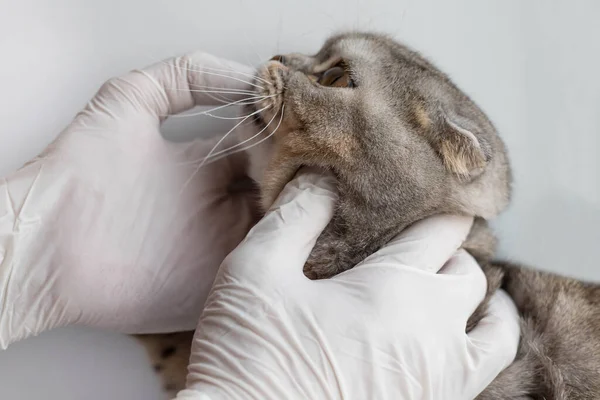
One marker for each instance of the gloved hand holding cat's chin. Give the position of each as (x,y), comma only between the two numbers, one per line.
(391,328)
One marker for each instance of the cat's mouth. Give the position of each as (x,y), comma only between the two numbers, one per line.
(270,84)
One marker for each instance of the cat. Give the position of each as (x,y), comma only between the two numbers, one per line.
(404,143)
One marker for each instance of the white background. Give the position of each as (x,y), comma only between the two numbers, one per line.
(533,66)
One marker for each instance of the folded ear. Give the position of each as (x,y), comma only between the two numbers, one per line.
(461,143)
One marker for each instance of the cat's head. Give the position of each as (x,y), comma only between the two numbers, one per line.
(393,128)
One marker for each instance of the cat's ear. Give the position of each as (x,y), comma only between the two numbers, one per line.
(460,142)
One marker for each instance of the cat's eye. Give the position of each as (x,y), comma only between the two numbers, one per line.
(279,58)
(337,76)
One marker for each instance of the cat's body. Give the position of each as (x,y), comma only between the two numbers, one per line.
(559,353)
(405,143)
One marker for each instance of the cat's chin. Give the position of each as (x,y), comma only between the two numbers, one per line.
(258,155)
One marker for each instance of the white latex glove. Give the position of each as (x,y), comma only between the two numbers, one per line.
(94,231)
(391,328)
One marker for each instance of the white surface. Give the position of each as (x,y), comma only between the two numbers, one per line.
(533,66)
(77,364)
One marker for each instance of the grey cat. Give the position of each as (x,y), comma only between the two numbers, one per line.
(405,143)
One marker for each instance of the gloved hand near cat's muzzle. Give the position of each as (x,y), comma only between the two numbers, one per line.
(99,229)
(391,328)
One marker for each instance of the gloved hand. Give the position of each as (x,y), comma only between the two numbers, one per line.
(391,328)
(98,231)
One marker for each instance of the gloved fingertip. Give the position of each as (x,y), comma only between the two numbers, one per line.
(298,216)
(497,334)
(426,244)
(318,184)
(462,263)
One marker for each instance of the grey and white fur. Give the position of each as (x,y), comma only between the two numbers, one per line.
(405,143)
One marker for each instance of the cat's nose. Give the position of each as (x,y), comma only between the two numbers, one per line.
(278,58)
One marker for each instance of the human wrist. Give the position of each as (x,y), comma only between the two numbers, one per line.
(26,276)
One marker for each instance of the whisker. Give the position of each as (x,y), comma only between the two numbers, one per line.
(231,130)
(215,159)
(227,104)
(238,102)
(249,91)
(204,69)
(199,68)
(217,145)
(245,141)
(232,70)
(223,91)
(228,118)
(219,98)
(256,101)
(227,99)
(219,94)
(221,75)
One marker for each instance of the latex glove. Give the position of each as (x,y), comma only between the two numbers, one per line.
(391,328)
(95,231)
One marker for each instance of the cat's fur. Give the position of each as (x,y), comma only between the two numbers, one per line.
(169,357)
(404,144)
